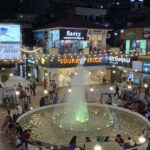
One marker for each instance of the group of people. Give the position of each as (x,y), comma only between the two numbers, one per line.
(130,143)
(14,134)
(52,96)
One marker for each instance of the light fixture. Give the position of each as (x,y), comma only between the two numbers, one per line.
(69,90)
(129,86)
(45,91)
(97,147)
(91,89)
(29,74)
(145,85)
(76,73)
(135,70)
(111,88)
(113,71)
(17,93)
(31,108)
(142,139)
(46,74)
(11,74)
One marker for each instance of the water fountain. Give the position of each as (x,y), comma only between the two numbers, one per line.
(56,124)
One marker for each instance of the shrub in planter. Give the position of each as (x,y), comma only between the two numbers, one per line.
(4,78)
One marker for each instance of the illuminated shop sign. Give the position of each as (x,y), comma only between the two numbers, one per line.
(10,51)
(117,60)
(81,61)
(85,61)
(73,34)
(146,66)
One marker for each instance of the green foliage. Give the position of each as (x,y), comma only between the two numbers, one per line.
(4,78)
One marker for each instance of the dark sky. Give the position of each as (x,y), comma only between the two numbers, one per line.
(9,7)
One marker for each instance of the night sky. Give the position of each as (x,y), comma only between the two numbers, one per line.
(8,8)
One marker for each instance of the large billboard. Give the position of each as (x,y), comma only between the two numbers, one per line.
(10,51)
(10,33)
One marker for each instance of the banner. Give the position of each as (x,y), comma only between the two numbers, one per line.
(10,51)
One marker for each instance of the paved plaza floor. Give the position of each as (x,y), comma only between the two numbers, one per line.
(93,97)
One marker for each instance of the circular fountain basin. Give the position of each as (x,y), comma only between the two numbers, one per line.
(104,120)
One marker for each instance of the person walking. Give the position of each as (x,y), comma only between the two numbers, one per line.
(34,88)
(72,143)
(51,91)
(45,83)
(28,96)
(104,79)
(55,99)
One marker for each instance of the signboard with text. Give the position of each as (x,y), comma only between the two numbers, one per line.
(119,61)
(146,66)
(10,51)
(65,62)
(73,34)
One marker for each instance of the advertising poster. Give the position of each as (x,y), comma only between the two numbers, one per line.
(10,33)
(10,51)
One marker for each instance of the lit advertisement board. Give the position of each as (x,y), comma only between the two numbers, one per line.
(10,33)
(10,51)
(73,34)
(136,46)
(146,66)
(137,65)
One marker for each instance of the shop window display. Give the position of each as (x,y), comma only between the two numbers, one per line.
(72,46)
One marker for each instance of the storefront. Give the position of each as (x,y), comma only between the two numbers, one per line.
(136,40)
(62,69)
(67,37)
(141,71)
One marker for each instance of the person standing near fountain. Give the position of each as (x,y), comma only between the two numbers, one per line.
(72,143)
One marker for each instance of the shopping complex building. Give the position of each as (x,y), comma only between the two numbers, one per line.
(70,43)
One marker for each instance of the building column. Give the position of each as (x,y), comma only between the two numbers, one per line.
(103,42)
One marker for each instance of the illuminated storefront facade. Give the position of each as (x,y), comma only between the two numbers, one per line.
(61,69)
(72,35)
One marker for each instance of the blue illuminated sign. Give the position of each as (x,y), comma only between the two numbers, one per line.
(146,66)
